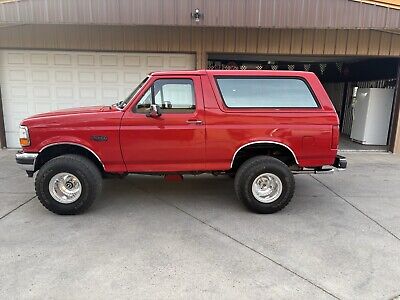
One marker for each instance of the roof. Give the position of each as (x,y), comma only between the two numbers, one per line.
(328,14)
(179,72)
(234,73)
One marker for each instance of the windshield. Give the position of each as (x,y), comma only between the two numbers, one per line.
(123,103)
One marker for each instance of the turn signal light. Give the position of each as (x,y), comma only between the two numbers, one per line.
(24,140)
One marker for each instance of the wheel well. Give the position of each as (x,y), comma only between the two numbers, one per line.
(57,150)
(278,151)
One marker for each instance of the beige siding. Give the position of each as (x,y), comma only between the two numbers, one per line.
(395,45)
(374,42)
(319,41)
(202,40)
(341,42)
(274,40)
(330,41)
(385,43)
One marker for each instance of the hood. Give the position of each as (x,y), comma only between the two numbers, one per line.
(73,111)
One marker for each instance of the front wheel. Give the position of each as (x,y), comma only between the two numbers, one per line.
(264,184)
(68,184)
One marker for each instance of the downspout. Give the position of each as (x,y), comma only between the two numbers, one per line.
(3,143)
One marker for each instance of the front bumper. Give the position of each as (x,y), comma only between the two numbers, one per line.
(340,162)
(26,161)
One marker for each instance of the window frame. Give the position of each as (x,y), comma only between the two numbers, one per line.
(317,107)
(151,88)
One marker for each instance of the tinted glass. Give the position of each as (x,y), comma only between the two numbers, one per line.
(172,95)
(265,92)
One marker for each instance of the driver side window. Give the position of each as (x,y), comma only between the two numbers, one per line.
(171,95)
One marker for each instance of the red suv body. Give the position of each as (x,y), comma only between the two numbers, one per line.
(180,122)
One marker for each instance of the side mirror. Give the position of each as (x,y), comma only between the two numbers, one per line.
(154,111)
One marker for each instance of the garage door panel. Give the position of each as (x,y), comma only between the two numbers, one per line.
(109,77)
(131,61)
(155,61)
(14,92)
(40,76)
(39,59)
(14,59)
(42,92)
(16,75)
(63,76)
(177,62)
(86,59)
(87,76)
(38,81)
(64,59)
(65,92)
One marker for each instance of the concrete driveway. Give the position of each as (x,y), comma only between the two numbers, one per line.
(146,238)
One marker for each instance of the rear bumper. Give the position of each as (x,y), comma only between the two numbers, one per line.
(26,161)
(340,162)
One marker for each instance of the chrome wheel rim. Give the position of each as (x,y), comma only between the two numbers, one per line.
(267,187)
(65,188)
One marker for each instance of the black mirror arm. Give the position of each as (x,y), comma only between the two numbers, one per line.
(154,111)
(158,110)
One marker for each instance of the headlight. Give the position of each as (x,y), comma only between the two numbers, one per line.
(24,140)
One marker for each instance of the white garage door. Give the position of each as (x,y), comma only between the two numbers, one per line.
(39,81)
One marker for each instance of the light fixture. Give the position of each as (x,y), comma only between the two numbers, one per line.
(196,15)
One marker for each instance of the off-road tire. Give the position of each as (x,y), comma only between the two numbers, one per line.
(249,171)
(84,169)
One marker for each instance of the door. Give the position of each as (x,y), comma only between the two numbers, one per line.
(173,141)
(37,81)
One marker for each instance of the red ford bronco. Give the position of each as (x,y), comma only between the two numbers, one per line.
(260,127)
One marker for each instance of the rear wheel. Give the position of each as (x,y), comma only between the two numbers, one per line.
(68,184)
(264,184)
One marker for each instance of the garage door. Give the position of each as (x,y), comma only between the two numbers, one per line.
(39,81)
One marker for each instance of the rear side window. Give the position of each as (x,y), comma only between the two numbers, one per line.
(265,92)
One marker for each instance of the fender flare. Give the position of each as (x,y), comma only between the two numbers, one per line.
(264,142)
(73,144)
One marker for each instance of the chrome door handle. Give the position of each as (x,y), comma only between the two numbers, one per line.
(196,122)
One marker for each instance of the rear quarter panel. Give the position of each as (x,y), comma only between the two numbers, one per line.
(307,132)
